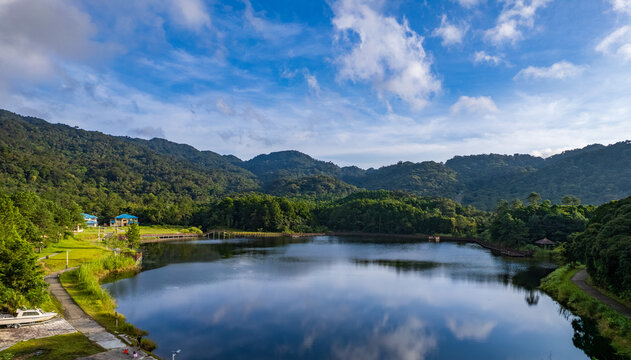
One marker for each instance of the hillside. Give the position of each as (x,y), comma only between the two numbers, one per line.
(108,173)
(595,174)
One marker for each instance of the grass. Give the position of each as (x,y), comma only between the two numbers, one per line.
(79,252)
(83,286)
(610,323)
(60,347)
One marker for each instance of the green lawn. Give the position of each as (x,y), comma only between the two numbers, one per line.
(79,251)
(60,347)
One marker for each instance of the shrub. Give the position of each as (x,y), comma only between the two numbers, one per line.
(148,345)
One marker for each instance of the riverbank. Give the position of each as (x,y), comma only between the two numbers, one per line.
(83,286)
(493,247)
(611,324)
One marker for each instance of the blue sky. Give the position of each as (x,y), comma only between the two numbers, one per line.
(356,82)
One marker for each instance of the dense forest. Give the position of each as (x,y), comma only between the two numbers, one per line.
(107,174)
(605,247)
(515,224)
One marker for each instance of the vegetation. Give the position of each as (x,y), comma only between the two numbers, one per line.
(517,225)
(60,347)
(605,247)
(76,251)
(84,287)
(610,323)
(257,213)
(133,236)
(399,213)
(163,183)
(21,279)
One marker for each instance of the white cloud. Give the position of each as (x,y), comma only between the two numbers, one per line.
(468,3)
(385,52)
(617,43)
(561,70)
(450,33)
(516,16)
(225,109)
(483,57)
(267,29)
(191,14)
(623,6)
(312,81)
(480,104)
(36,36)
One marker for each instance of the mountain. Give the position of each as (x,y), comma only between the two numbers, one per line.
(428,178)
(289,164)
(316,186)
(595,174)
(109,173)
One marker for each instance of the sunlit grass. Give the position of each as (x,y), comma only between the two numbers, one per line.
(60,347)
(78,251)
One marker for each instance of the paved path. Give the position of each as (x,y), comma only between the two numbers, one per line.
(47,256)
(580,280)
(85,324)
(58,326)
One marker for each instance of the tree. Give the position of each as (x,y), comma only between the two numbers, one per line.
(21,281)
(534,199)
(133,236)
(570,200)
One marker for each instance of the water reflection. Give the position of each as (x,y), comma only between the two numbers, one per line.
(327,297)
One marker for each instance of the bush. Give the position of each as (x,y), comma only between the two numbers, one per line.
(148,345)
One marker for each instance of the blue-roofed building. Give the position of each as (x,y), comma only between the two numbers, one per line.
(90,220)
(124,220)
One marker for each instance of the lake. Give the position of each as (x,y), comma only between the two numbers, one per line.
(347,298)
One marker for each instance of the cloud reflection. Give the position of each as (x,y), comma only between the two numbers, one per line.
(410,341)
(470,329)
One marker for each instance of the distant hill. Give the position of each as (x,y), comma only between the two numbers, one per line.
(106,173)
(101,169)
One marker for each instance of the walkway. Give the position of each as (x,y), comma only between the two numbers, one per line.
(85,324)
(580,280)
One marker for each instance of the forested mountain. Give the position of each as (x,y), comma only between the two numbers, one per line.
(293,164)
(595,174)
(428,178)
(605,247)
(316,186)
(105,174)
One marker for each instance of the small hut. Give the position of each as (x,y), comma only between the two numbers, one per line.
(545,242)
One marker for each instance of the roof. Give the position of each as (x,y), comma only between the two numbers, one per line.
(126,216)
(544,241)
(88,216)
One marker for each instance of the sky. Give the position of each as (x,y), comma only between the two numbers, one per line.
(356,82)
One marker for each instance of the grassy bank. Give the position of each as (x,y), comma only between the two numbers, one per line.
(79,252)
(610,323)
(84,287)
(60,347)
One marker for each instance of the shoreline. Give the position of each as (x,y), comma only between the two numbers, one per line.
(220,234)
(611,324)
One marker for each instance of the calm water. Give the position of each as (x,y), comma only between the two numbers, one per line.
(342,298)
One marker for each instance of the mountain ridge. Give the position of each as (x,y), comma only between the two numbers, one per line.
(133,168)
